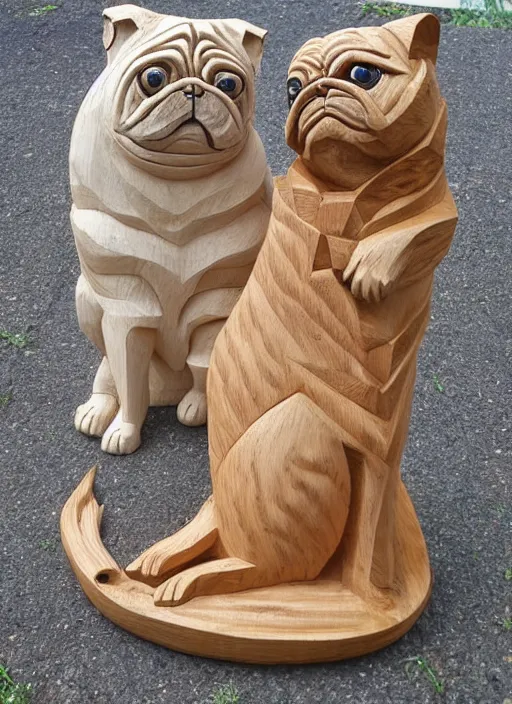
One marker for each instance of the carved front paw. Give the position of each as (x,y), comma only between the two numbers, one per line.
(93,417)
(373,269)
(120,438)
(192,408)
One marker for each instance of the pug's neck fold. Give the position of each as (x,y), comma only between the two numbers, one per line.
(417,171)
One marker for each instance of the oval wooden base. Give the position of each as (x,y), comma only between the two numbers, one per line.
(292,623)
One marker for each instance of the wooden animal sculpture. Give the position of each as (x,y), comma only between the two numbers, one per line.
(171,200)
(309,548)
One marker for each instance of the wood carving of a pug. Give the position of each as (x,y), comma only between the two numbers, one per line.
(171,200)
(312,378)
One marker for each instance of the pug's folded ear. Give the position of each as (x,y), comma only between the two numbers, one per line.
(120,23)
(252,40)
(420,34)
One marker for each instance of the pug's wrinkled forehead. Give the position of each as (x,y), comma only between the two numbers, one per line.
(390,46)
(128,26)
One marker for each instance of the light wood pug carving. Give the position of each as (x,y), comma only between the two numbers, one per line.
(171,200)
(311,382)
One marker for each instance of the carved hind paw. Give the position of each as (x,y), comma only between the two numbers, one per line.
(192,408)
(120,438)
(192,541)
(94,416)
(154,565)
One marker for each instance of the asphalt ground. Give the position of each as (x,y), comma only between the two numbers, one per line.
(457,462)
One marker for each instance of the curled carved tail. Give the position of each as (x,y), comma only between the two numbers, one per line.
(102,579)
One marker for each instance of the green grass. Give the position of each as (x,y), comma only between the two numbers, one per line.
(12,693)
(493,16)
(4,399)
(38,11)
(508,574)
(507,624)
(474,18)
(48,544)
(438,386)
(427,670)
(16,339)
(387,10)
(225,695)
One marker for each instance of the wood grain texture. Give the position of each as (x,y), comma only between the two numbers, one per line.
(309,546)
(171,200)
(290,623)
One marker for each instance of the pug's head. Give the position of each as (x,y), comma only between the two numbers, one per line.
(182,91)
(362,98)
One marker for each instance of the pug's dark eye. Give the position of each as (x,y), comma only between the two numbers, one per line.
(153,79)
(229,83)
(365,75)
(293,88)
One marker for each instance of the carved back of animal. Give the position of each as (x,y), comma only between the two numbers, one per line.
(323,341)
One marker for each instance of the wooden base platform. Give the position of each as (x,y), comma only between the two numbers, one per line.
(293,623)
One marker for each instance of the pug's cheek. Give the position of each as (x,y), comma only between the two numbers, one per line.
(223,128)
(349,111)
(131,102)
(162,121)
(325,139)
(292,136)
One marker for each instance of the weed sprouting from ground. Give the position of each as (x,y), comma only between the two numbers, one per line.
(501,510)
(507,624)
(387,10)
(12,693)
(438,386)
(508,574)
(16,339)
(225,695)
(426,669)
(38,11)
(48,544)
(4,399)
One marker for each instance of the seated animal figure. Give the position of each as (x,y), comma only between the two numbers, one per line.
(311,380)
(171,200)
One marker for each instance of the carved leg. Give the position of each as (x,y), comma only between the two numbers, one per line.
(94,416)
(217,577)
(369,478)
(129,350)
(89,312)
(383,567)
(192,407)
(192,541)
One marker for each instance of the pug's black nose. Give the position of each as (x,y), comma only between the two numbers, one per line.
(192,91)
(322,90)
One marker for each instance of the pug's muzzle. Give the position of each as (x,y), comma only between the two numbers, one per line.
(331,98)
(187,116)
